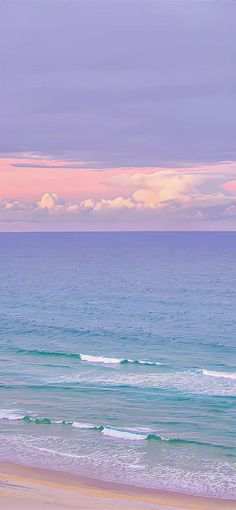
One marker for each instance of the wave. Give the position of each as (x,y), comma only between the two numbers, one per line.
(123,433)
(224,375)
(99,359)
(82,425)
(85,357)
(15,415)
(11,415)
(188,382)
(132,435)
(141,362)
(110,361)
(36,352)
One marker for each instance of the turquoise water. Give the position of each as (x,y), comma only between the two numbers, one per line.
(118,357)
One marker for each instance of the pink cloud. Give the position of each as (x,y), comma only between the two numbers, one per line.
(28,183)
(37,175)
(43,191)
(230,186)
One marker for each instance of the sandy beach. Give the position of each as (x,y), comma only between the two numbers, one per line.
(32,488)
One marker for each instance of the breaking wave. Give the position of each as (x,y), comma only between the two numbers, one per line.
(85,357)
(123,433)
(110,361)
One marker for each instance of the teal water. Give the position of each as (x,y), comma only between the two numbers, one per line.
(118,357)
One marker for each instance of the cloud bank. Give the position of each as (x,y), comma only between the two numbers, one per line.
(154,199)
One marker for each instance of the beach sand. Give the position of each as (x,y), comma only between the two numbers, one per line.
(38,489)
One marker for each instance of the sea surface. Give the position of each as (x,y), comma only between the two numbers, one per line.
(118,357)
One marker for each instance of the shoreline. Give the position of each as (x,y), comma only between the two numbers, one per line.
(23,487)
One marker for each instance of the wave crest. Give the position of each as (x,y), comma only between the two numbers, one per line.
(110,361)
(89,358)
(124,433)
(224,375)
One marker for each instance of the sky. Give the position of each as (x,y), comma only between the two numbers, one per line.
(117,115)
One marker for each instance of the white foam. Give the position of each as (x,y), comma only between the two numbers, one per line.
(62,422)
(194,381)
(80,425)
(11,414)
(225,375)
(99,359)
(191,381)
(123,434)
(144,430)
(143,362)
(57,452)
(165,438)
(110,361)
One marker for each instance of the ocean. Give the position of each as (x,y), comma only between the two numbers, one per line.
(118,357)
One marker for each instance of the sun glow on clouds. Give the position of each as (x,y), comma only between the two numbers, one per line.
(50,201)
(37,190)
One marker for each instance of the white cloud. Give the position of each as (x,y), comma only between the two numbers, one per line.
(14,205)
(116,203)
(167,195)
(72,208)
(175,188)
(50,201)
(89,203)
(209,200)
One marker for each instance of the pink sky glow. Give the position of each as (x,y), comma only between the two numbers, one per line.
(35,176)
(43,192)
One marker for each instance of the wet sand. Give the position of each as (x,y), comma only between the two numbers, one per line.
(40,489)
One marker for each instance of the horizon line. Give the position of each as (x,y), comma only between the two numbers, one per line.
(117,231)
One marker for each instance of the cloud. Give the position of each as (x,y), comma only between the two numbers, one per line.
(180,188)
(150,197)
(115,204)
(167,184)
(89,204)
(15,205)
(230,186)
(50,201)
(168,200)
